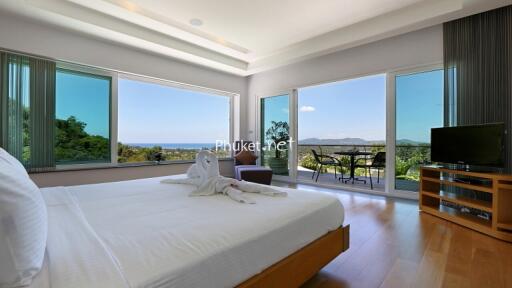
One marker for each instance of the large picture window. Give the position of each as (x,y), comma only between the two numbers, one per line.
(82,117)
(56,114)
(161,122)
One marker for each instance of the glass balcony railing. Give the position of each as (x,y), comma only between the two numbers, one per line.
(407,162)
(307,164)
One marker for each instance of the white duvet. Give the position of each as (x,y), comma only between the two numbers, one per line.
(143,233)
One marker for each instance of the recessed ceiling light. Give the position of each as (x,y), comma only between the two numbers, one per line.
(196,22)
(129,6)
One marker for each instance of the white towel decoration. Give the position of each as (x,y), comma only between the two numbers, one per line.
(204,174)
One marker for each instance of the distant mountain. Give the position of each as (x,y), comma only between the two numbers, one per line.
(353,141)
(343,141)
(409,142)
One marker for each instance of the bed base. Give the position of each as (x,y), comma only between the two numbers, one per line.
(300,266)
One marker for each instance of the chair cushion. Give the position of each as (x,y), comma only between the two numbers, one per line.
(254,173)
(246,157)
(329,162)
(241,168)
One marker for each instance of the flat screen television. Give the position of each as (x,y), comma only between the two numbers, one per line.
(479,145)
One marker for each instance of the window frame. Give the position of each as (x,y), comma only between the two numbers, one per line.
(234,102)
(232,98)
(292,118)
(112,113)
(391,126)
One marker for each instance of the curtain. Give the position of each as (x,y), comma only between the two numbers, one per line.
(27,111)
(478,71)
(15,106)
(42,113)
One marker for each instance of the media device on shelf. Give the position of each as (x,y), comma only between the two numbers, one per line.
(473,145)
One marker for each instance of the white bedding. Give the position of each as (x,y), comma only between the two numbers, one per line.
(146,234)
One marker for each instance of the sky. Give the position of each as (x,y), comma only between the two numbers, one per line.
(356,108)
(353,108)
(153,113)
(147,113)
(419,105)
(276,109)
(86,98)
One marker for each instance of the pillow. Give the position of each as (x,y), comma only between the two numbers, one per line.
(8,158)
(246,157)
(23,227)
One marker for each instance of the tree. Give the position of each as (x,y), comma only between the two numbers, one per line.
(74,144)
(278,133)
(128,153)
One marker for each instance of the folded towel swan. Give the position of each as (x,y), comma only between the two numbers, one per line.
(204,174)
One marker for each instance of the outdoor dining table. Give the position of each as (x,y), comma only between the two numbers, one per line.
(353,155)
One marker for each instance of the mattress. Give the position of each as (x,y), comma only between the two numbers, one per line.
(143,233)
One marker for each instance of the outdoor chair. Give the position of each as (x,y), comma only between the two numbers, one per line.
(378,162)
(325,160)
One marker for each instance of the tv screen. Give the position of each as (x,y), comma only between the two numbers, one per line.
(480,145)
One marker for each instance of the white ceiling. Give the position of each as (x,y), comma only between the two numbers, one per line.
(246,36)
(267,25)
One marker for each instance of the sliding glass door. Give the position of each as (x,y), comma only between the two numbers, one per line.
(345,120)
(419,107)
(275,133)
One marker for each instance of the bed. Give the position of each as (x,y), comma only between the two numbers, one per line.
(143,233)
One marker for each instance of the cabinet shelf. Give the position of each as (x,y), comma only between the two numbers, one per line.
(461,200)
(494,199)
(505,226)
(505,186)
(458,217)
(480,188)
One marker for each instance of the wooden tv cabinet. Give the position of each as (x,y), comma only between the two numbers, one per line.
(441,188)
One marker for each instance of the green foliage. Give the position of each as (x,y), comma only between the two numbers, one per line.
(133,154)
(309,162)
(128,153)
(74,145)
(279,132)
(408,158)
(401,166)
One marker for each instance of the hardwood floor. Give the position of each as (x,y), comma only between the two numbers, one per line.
(392,244)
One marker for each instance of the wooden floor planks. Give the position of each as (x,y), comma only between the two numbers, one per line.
(393,245)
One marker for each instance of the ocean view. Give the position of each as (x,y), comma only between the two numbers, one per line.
(191,146)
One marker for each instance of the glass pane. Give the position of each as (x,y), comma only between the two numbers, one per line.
(345,120)
(419,107)
(83,118)
(159,122)
(275,131)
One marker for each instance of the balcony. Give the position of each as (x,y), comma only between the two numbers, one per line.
(408,160)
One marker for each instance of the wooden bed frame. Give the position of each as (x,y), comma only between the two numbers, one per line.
(300,266)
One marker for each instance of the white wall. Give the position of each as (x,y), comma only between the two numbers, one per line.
(24,35)
(417,48)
